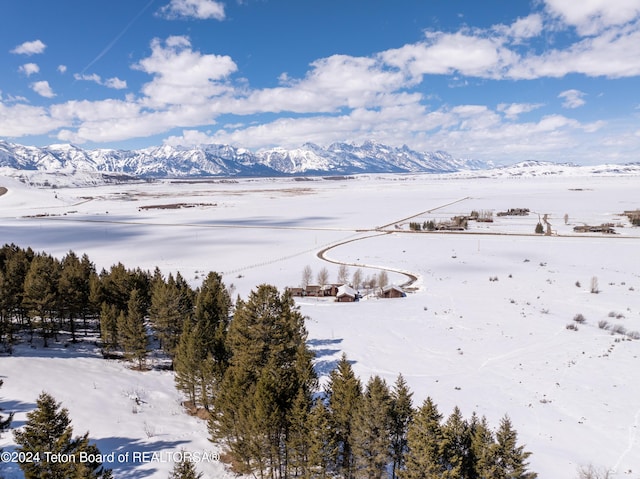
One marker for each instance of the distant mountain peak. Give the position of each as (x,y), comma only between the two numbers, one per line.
(226,160)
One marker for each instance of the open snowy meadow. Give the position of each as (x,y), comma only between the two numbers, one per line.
(483,325)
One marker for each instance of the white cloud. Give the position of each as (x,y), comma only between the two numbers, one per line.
(590,17)
(22,120)
(613,54)
(513,110)
(29,69)
(114,83)
(199,9)
(181,75)
(572,98)
(94,77)
(446,53)
(42,88)
(62,69)
(29,48)
(523,28)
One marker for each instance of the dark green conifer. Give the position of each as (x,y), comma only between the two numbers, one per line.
(184,469)
(401,417)
(73,287)
(511,458)
(372,431)
(269,366)
(298,442)
(482,448)
(40,296)
(166,314)
(132,330)
(456,446)
(109,326)
(48,435)
(322,444)
(345,393)
(423,459)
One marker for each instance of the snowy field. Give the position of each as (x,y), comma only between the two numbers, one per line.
(484,326)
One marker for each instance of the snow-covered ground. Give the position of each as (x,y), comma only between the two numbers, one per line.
(484,328)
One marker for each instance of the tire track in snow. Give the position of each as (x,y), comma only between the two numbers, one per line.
(633,436)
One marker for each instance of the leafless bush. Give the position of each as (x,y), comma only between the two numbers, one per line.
(594,285)
(618,329)
(633,335)
(604,324)
(149,429)
(592,472)
(579,318)
(572,327)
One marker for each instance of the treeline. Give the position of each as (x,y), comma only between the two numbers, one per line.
(248,369)
(43,295)
(265,405)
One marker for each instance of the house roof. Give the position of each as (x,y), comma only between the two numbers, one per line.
(346,290)
(389,287)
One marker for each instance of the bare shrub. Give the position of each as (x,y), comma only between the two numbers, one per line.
(579,318)
(633,335)
(604,324)
(592,472)
(149,429)
(572,327)
(618,329)
(578,285)
(594,285)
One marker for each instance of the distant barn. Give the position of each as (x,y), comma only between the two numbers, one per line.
(346,294)
(392,291)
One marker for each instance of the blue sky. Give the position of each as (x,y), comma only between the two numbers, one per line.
(498,80)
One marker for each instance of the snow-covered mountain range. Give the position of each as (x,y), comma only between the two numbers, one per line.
(225,160)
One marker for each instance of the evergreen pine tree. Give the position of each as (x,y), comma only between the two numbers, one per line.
(184,469)
(401,417)
(187,362)
(73,287)
(166,314)
(456,446)
(322,444)
(269,366)
(298,435)
(511,459)
(132,331)
(212,307)
(482,448)
(372,431)
(41,297)
(109,326)
(48,435)
(5,423)
(15,266)
(423,458)
(345,393)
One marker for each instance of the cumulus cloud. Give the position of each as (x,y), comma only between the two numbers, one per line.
(593,16)
(29,48)
(523,28)
(21,120)
(62,69)
(198,9)
(182,75)
(513,110)
(29,69)
(572,98)
(114,83)
(466,53)
(42,88)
